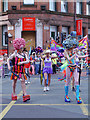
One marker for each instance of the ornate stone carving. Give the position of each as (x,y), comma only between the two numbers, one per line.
(18,24)
(38,23)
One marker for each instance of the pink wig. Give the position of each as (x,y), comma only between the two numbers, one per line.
(18,43)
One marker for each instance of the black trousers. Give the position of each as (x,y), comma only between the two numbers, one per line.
(54,68)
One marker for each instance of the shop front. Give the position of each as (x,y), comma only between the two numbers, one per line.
(29,32)
(30,28)
(30,38)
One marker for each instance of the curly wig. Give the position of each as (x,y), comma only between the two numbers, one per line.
(18,43)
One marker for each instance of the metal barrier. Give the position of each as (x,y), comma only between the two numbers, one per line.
(5,71)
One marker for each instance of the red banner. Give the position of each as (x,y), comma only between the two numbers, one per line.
(28,24)
(3,51)
(79,27)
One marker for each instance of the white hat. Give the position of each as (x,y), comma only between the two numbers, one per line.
(33,53)
(47,51)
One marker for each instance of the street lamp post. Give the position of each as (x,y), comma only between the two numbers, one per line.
(7,46)
(74,16)
(6,38)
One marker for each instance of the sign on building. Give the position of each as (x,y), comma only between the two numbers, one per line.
(28,24)
(79,27)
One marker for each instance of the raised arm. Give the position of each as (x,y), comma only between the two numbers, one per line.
(27,59)
(83,56)
(10,58)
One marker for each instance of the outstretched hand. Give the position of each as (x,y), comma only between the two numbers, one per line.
(9,67)
(20,63)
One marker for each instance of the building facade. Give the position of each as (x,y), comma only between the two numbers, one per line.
(36,22)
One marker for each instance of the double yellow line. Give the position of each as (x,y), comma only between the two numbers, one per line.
(8,107)
(46,104)
(4,112)
(83,107)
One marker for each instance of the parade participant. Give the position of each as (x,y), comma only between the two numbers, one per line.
(27,68)
(19,59)
(40,64)
(37,63)
(79,62)
(70,43)
(54,63)
(47,70)
(32,61)
(41,69)
(41,75)
(5,67)
(32,50)
(38,51)
(1,63)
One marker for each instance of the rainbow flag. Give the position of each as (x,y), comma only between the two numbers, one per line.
(55,46)
(83,42)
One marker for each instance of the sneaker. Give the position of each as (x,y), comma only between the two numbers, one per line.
(26,82)
(47,88)
(44,89)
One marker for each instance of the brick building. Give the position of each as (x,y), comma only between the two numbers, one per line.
(44,20)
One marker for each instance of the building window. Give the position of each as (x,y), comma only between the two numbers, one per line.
(89,34)
(88,9)
(53,32)
(64,33)
(65,30)
(64,6)
(52,5)
(5,35)
(28,2)
(5,6)
(79,8)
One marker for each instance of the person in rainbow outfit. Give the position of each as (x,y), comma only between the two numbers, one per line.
(19,59)
(70,53)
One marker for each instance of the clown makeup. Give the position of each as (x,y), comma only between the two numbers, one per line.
(21,49)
